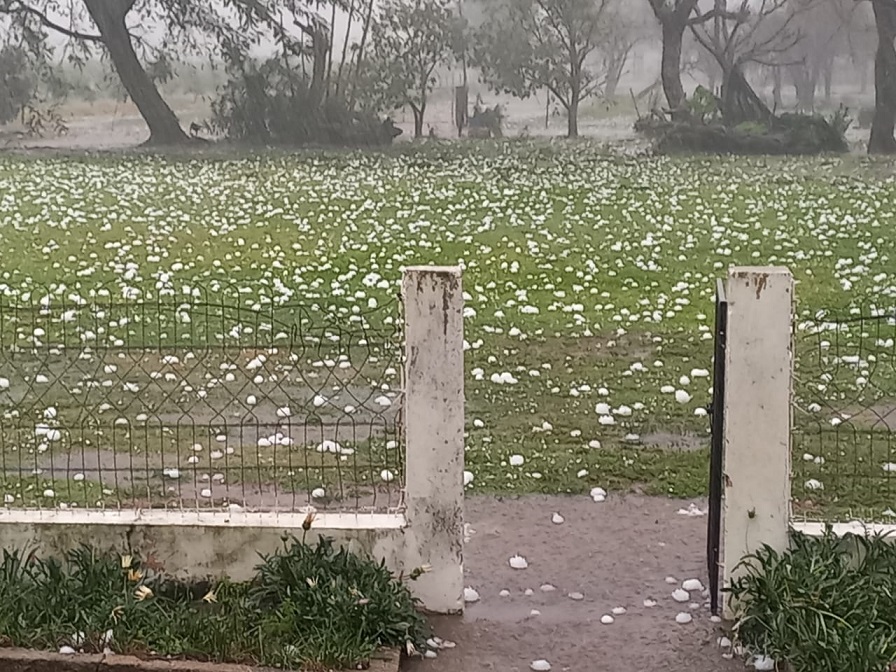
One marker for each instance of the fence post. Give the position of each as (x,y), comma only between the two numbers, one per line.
(434,432)
(758,379)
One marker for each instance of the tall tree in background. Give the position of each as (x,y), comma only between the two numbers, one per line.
(409,40)
(528,45)
(746,32)
(118,29)
(882,140)
(112,28)
(673,17)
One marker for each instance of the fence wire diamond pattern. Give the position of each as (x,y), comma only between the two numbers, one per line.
(198,398)
(844,441)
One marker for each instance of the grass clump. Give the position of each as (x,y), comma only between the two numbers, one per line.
(828,604)
(307,607)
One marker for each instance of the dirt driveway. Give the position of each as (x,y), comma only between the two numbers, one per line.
(615,554)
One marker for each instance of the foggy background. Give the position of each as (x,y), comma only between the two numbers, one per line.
(97,112)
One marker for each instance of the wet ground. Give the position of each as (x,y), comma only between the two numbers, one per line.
(616,554)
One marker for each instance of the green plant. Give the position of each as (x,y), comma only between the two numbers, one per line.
(331,605)
(826,605)
(307,606)
(704,105)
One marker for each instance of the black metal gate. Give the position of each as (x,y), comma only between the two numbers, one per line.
(716,475)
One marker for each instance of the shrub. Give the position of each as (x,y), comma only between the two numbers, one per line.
(269,103)
(307,605)
(826,605)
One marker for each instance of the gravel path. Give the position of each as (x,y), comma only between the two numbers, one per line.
(616,554)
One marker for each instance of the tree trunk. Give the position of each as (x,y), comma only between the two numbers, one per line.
(109,17)
(828,77)
(776,87)
(882,141)
(572,117)
(418,119)
(670,69)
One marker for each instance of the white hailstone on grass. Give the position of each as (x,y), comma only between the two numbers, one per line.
(700,412)
(814,408)
(40,429)
(284,412)
(763,663)
(468,477)
(836,421)
(50,413)
(581,473)
(602,409)
(264,442)
(49,493)
(387,476)
(692,510)
(478,424)
(557,519)
(197,447)
(41,378)
(66,650)
(603,391)
(598,494)
(78,477)
(54,435)
(680,595)
(683,618)
(692,585)
(808,457)
(606,619)
(205,492)
(318,493)
(383,401)
(4,383)
(216,455)
(606,420)
(594,444)
(193,459)
(471,595)
(518,562)
(319,401)
(699,373)
(251,400)
(667,389)
(171,472)
(624,411)
(516,460)
(813,484)
(889,466)
(682,397)
(540,666)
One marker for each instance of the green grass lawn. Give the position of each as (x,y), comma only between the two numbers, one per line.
(589,280)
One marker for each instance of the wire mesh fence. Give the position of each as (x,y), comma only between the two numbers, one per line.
(844,462)
(198,397)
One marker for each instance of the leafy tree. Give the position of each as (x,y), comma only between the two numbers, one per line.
(409,40)
(527,45)
(118,29)
(17,83)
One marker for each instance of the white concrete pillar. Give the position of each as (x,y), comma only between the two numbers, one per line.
(434,433)
(758,378)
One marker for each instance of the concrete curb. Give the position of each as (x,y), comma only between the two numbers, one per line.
(25,660)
